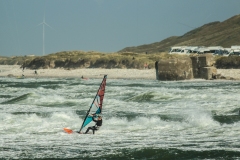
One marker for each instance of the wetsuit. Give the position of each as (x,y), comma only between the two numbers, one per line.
(96,127)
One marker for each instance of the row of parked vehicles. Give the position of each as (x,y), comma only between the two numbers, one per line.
(215,50)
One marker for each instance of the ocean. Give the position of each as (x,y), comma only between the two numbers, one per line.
(142,119)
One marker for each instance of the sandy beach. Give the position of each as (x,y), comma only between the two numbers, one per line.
(233,73)
(16,71)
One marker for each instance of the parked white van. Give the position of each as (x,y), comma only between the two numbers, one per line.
(234,52)
(176,49)
(182,49)
(235,47)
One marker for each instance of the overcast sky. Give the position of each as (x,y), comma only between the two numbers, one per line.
(101,25)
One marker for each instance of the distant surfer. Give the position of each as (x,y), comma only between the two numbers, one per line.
(96,126)
(84,78)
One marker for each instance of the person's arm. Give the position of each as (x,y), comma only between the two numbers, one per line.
(94,119)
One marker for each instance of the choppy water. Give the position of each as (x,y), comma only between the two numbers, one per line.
(142,119)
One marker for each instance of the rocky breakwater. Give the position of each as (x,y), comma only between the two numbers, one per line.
(187,67)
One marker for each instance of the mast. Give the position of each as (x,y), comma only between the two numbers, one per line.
(100,87)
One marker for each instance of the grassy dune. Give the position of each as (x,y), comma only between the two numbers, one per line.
(81,59)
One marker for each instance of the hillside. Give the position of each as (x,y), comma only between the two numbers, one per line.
(225,34)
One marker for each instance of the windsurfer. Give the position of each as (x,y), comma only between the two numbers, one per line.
(96,126)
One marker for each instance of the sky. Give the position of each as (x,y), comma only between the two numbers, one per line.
(101,25)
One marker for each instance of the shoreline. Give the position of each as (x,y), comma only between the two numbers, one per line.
(16,71)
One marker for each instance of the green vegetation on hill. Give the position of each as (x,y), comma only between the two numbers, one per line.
(80,59)
(17,60)
(228,62)
(223,34)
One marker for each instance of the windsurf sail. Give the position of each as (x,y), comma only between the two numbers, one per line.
(96,106)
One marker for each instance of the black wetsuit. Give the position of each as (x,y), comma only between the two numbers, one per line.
(96,127)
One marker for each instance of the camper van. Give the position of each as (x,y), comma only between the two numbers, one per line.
(216,50)
(191,49)
(183,49)
(176,50)
(194,49)
(234,52)
(235,47)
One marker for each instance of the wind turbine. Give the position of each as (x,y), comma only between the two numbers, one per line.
(43,24)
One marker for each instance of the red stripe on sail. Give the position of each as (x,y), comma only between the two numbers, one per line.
(101,93)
